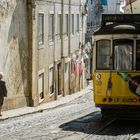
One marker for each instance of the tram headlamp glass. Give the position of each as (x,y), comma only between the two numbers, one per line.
(98,77)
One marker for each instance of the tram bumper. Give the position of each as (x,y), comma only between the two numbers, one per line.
(120,112)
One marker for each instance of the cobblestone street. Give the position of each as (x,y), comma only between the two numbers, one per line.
(75,119)
(45,124)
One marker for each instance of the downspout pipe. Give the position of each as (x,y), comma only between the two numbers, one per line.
(62,45)
(69,46)
(54,50)
(62,28)
(30,6)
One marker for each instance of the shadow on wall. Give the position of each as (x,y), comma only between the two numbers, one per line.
(17,59)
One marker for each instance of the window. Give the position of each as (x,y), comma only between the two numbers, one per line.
(123,55)
(59,78)
(66,67)
(41,86)
(40,28)
(72,24)
(59,25)
(66,24)
(77,25)
(103,54)
(138,55)
(66,71)
(51,27)
(51,80)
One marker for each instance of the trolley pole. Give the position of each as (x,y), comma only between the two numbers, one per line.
(131,8)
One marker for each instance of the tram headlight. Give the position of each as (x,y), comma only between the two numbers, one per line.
(98,77)
(104,99)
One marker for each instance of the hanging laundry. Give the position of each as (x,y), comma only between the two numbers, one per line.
(80,69)
(76,69)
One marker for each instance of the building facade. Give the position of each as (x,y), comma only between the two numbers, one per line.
(95,10)
(61,26)
(14,54)
(42,50)
(132,7)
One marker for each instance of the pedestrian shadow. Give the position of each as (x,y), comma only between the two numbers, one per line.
(91,123)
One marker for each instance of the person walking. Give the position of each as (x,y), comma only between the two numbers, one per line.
(3,91)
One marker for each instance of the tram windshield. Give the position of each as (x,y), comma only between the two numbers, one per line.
(123,50)
(120,58)
(123,58)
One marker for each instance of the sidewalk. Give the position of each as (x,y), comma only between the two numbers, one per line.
(46,106)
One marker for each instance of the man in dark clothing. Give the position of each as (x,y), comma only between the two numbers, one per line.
(3,91)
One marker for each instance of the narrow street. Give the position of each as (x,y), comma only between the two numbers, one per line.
(49,123)
(75,120)
(52,54)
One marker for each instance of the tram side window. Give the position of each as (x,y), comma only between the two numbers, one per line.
(123,56)
(103,54)
(138,55)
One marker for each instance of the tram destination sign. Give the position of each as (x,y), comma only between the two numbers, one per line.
(120,18)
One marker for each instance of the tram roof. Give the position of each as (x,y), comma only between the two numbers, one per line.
(119,23)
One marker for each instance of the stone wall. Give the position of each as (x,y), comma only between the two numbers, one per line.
(14,51)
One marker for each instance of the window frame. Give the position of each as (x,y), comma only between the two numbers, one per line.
(72,24)
(102,68)
(41,73)
(124,40)
(112,68)
(59,27)
(77,23)
(51,29)
(66,29)
(52,84)
(41,19)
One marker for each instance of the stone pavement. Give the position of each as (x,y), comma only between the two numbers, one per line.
(46,106)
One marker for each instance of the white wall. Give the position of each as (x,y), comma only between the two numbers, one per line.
(14,47)
(135,6)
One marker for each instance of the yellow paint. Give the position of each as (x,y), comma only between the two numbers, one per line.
(119,91)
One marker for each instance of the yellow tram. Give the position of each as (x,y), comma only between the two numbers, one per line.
(116,65)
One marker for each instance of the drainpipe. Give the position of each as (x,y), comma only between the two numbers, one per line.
(30,18)
(54,37)
(69,46)
(62,44)
(81,49)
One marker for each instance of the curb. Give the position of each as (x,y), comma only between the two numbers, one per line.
(43,107)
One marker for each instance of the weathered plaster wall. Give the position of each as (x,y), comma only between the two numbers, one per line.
(135,7)
(14,51)
(75,39)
